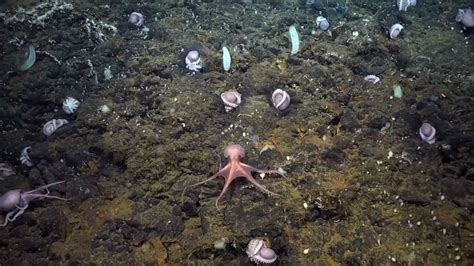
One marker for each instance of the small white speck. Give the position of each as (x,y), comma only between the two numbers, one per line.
(262,175)
(443,197)
(418,223)
(390,154)
(394,259)
(393,118)
(305,205)
(306,251)
(457,257)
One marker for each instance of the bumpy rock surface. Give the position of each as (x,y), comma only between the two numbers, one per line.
(360,188)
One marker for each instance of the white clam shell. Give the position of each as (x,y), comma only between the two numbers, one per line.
(280,99)
(254,247)
(51,126)
(231,99)
(70,105)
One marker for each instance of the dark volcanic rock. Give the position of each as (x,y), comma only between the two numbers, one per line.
(349,121)
(53,223)
(413,197)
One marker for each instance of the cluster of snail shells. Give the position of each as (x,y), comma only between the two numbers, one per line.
(232,99)
(258,252)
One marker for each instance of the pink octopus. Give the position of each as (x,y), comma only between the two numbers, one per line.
(235,168)
(16,201)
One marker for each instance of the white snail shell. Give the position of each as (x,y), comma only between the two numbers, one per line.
(25,158)
(231,100)
(395,31)
(280,99)
(51,126)
(265,256)
(259,253)
(193,61)
(254,247)
(427,133)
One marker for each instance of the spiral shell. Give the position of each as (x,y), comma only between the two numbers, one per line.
(193,61)
(51,126)
(254,247)
(258,252)
(231,99)
(280,99)
(136,19)
(427,133)
(265,256)
(25,157)
(395,30)
(322,23)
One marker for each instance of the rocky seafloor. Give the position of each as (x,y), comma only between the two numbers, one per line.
(361,187)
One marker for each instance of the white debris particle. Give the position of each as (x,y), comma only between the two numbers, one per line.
(305,205)
(306,251)
(390,154)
